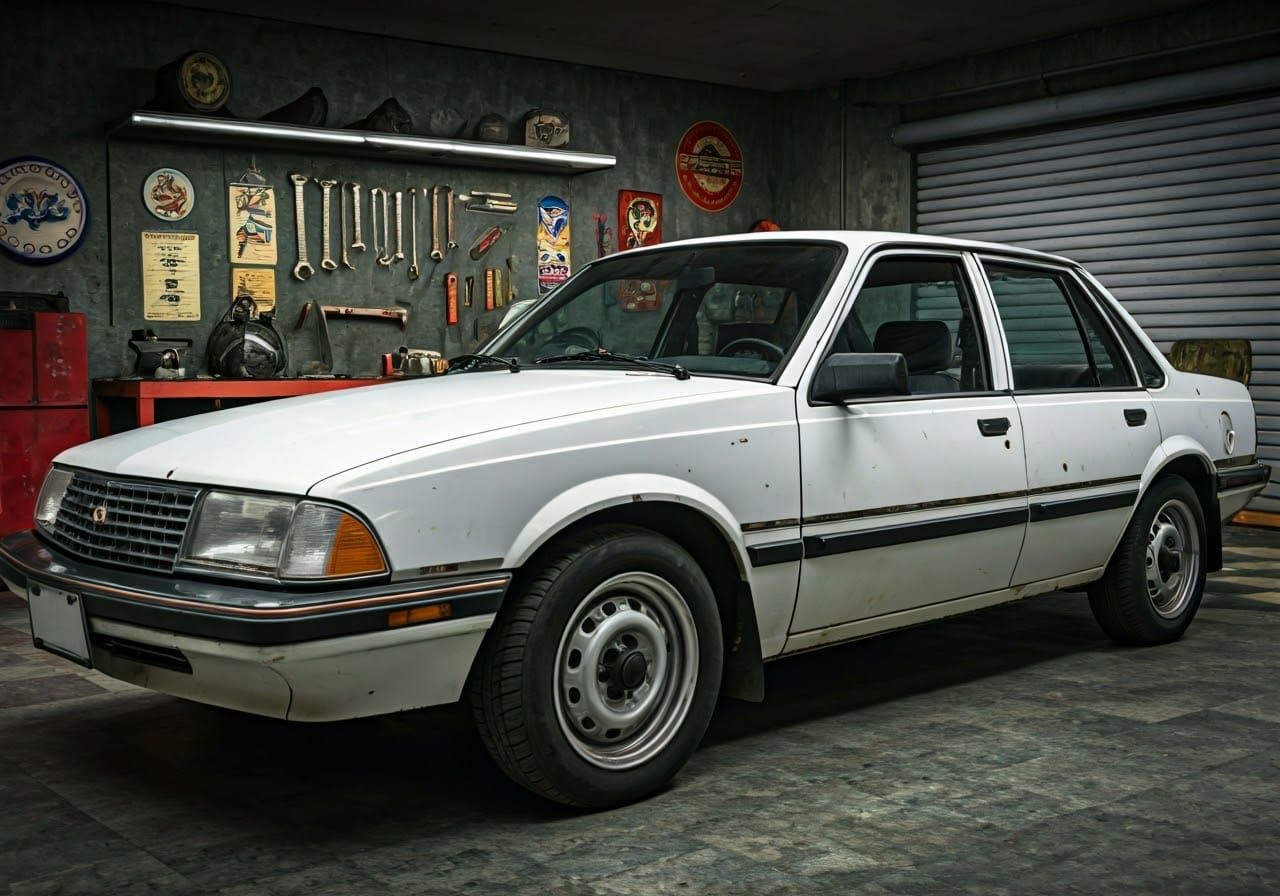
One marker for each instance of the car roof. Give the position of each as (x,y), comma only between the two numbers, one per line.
(861,240)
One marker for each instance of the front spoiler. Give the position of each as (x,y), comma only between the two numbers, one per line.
(242,614)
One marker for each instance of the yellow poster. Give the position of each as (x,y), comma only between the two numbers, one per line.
(170,276)
(257,282)
(252,209)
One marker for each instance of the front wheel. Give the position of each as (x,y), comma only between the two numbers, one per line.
(601,673)
(1153,586)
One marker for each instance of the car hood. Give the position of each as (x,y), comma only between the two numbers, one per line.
(289,445)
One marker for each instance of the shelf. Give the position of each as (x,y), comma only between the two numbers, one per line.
(401,147)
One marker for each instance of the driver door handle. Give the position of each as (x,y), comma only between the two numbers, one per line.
(993,426)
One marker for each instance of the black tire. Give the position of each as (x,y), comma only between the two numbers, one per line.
(1128,606)
(523,664)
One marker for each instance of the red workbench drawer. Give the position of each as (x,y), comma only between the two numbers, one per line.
(30,438)
(43,358)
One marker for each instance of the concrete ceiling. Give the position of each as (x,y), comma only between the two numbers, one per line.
(764,44)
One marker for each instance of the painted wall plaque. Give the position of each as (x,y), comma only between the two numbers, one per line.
(170,276)
(640,220)
(709,166)
(252,209)
(167,193)
(553,243)
(44,214)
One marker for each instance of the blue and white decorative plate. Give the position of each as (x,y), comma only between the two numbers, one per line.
(44,213)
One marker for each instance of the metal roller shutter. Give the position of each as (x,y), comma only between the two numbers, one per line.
(1177,214)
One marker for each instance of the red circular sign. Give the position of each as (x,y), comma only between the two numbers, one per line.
(709,166)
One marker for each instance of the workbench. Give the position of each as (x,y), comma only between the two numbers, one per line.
(145,393)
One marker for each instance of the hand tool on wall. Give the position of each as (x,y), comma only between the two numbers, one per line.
(342,221)
(489,289)
(450,242)
(450,299)
(436,255)
(470,292)
(486,241)
(373,222)
(414,271)
(326,213)
(399,256)
(398,314)
(493,206)
(303,269)
(482,194)
(385,258)
(512,293)
(324,345)
(358,242)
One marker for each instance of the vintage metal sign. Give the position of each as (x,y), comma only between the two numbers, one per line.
(43,210)
(553,243)
(257,282)
(640,220)
(170,276)
(709,166)
(168,194)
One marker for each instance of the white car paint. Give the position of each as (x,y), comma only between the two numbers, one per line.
(477,471)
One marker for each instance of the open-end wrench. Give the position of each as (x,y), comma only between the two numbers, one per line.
(303,269)
(436,255)
(414,271)
(373,221)
(358,241)
(385,258)
(326,211)
(450,242)
(342,226)
(399,256)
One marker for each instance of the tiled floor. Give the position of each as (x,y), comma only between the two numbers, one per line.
(1013,751)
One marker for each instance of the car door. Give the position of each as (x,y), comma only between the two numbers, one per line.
(914,499)
(1089,428)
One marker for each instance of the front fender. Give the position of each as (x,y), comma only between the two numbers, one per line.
(587,498)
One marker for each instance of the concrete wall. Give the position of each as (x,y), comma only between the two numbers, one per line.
(98,64)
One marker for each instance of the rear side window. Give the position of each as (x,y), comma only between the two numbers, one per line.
(1148,367)
(1056,338)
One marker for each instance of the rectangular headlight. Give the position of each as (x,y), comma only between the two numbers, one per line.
(240,531)
(51,495)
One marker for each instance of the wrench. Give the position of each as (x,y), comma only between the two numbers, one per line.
(385,258)
(326,210)
(373,221)
(414,271)
(451,243)
(399,256)
(303,269)
(358,242)
(342,223)
(436,255)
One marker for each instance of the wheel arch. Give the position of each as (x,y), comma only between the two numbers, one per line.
(1187,458)
(696,521)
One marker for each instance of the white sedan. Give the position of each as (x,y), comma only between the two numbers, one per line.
(684,462)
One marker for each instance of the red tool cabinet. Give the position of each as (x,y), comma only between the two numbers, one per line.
(44,400)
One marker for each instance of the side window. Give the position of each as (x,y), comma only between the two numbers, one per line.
(921,307)
(1148,368)
(1056,340)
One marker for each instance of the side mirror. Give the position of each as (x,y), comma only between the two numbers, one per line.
(846,376)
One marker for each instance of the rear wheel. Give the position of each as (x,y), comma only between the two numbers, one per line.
(601,673)
(1153,586)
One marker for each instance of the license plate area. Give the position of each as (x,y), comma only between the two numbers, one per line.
(58,622)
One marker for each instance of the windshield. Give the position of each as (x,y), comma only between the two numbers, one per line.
(728,309)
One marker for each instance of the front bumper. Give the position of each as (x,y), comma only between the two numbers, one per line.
(305,655)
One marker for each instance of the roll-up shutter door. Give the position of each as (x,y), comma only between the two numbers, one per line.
(1177,214)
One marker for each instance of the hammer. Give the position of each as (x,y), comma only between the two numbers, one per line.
(399,314)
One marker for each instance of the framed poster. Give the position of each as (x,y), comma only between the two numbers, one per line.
(252,210)
(170,276)
(257,282)
(709,166)
(639,218)
(553,243)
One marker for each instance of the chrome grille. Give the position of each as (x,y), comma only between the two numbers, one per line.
(143,525)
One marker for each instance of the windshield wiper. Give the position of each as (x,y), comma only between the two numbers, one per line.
(603,354)
(463,363)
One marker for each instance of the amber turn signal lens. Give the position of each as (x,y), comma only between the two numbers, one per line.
(431,613)
(354,551)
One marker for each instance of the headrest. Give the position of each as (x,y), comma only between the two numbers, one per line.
(926,344)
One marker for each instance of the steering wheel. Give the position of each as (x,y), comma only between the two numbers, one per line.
(751,342)
(584,338)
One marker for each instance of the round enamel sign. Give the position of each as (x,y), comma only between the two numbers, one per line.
(167,193)
(709,166)
(43,211)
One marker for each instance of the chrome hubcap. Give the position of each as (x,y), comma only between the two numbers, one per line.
(626,670)
(1173,559)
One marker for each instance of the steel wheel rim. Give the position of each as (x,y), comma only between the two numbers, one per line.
(1172,558)
(626,670)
